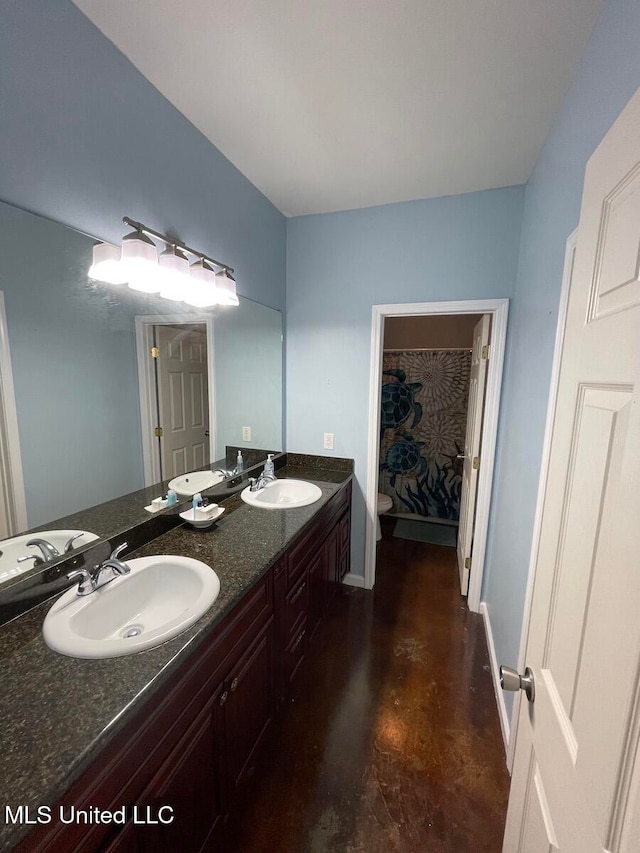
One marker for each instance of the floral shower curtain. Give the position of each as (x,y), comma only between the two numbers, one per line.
(422,429)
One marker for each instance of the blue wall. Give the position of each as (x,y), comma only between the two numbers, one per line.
(86,139)
(608,76)
(248,368)
(340,264)
(74,367)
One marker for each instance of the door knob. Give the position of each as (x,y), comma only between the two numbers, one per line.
(512,680)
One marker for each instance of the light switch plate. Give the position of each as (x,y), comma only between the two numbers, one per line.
(328,440)
(246,433)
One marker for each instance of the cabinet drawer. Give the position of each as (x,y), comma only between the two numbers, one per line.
(300,554)
(344,526)
(294,652)
(344,564)
(296,605)
(340,501)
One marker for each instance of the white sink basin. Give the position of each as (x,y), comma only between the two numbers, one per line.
(16,547)
(197,481)
(283,494)
(158,599)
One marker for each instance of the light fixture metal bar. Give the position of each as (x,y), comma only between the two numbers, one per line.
(171,241)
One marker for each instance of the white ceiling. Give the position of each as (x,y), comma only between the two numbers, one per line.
(338,104)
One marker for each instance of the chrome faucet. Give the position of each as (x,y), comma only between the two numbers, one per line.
(49,551)
(102,574)
(37,559)
(226,472)
(257,483)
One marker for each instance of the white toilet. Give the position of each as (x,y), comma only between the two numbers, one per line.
(384,505)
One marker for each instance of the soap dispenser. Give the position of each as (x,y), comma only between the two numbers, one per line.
(239,463)
(269,470)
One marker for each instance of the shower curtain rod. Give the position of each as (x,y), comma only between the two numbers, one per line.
(428,349)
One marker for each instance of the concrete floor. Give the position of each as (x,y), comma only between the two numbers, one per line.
(391,741)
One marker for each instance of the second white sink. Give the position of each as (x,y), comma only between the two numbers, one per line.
(283,494)
(187,485)
(159,598)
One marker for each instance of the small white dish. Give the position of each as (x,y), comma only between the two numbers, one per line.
(203,517)
(157,507)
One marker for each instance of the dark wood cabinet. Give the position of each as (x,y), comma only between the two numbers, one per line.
(183,802)
(248,709)
(178,764)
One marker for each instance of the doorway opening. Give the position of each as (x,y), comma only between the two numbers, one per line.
(438,494)
(177,398)
(13,507)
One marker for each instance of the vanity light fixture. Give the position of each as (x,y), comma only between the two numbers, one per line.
(226,287)
(205,283)
(203,291)
(107,265)
(174,268)
(140,262)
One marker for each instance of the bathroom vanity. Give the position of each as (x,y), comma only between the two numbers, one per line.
(180,725)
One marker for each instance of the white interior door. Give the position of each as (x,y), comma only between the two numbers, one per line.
(183,393)
(576,779)
(472,438)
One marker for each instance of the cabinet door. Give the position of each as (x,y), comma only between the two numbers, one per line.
(126,841)
(296,605)
(317,591)
(248,710)
(344,545)
(280,633)
(188,783)
(331,562)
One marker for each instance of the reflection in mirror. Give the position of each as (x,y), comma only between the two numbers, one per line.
(87,399)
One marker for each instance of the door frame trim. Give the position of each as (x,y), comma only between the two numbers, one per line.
(10,435)
(499,309)
(146,384)
(554,380)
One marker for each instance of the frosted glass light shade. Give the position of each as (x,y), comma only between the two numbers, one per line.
(106,264)
(174,274)
(140,262)
(202,290)
(226,288)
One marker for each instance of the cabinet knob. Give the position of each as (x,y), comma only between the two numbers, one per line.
(234,684)
(224,696)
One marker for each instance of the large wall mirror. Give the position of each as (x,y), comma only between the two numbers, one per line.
(85,420)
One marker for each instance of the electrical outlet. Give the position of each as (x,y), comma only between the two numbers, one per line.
(246,433)
(328,440)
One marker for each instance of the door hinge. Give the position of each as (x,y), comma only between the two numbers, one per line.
(476,462)
(486,349)
(155,352)
(158,432)
(467,562)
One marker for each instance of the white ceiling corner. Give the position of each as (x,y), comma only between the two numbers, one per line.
(353,103)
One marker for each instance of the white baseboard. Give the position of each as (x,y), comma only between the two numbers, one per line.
(495,675)
(353,580)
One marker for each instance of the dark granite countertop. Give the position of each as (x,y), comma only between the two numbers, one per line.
(59,712)
(126,512)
